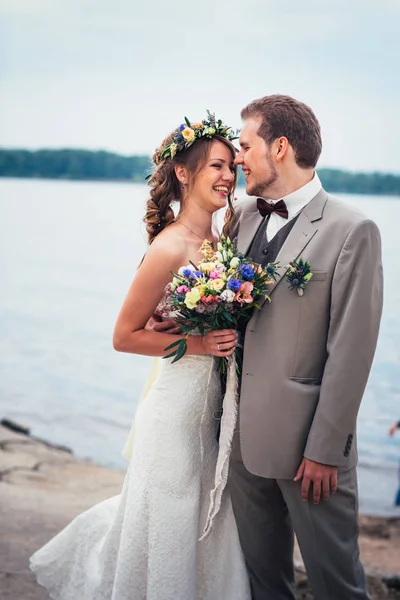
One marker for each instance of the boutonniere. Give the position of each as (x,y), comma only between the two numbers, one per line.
(298,274)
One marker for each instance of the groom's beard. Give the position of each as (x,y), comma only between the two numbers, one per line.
(262,188)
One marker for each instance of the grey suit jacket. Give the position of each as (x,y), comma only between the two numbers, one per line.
(307,358)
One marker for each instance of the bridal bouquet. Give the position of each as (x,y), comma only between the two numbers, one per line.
(219,293)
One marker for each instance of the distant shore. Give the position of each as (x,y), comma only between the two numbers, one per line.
(90,165)
(43,487)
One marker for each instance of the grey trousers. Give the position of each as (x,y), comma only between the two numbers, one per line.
(268,511)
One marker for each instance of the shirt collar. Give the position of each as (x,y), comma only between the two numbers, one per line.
(298,199)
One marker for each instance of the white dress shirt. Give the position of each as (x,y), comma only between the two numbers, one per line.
(295,202)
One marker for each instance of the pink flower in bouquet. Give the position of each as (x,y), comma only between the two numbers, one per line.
(210,300)
(215,274)
(183,289)
(244,293)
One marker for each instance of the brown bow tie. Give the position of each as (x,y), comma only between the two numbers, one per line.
(266,209)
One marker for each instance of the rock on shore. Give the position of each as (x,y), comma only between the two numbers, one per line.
(42,488)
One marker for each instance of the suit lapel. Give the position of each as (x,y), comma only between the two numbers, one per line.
(302,233)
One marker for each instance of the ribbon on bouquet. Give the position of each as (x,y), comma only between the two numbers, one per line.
(228,424)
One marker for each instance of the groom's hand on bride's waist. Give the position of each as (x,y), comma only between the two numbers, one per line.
(155,323)
(322,477)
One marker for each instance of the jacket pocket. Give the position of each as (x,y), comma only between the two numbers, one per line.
(306,380)
(318,276)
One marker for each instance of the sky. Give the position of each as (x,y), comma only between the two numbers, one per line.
(120,75)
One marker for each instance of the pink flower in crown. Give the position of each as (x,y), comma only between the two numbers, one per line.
(243,295)
(215,274)
(183,289)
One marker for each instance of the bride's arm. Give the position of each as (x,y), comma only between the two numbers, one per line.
(141,302)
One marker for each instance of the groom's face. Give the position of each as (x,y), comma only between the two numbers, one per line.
(256,160)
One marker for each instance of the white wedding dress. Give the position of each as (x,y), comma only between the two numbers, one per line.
(145,543)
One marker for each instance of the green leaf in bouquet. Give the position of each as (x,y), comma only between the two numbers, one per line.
(239,360)
(186,328)
(187,122)
(176,343)
(181,350)
(228,317)
(222,364)
(180,277)
(171,354)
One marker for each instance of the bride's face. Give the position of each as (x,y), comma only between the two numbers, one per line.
(215,181)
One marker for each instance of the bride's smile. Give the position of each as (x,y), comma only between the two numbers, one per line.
(215,180)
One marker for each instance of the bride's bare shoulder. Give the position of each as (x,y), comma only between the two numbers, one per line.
(169,246)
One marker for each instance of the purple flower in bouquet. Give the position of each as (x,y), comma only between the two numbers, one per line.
(247,272)
(234,284)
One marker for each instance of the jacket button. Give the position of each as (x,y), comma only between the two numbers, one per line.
(264,251)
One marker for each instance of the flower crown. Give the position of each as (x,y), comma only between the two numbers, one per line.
(187,133)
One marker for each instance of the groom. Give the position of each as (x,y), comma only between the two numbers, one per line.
(306,362)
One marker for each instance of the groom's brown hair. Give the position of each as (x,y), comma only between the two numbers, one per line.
(284,116)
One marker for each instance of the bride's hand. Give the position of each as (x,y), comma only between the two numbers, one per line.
(220,343)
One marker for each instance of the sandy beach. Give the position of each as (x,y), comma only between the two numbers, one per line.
(42,488)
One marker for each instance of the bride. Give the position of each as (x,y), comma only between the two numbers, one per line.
(156,540)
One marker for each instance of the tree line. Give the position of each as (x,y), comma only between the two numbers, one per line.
(73,164)
(101,165)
